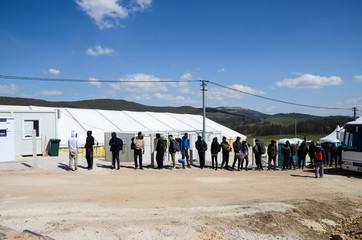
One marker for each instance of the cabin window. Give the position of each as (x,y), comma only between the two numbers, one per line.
(29,125)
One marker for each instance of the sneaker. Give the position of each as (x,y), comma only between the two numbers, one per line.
(135,168)
(90,168)
(141,168)
(173,168)
(189,166)
(183,167)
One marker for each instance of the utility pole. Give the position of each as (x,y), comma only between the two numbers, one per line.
(295,128)
(354,113)
(203,89)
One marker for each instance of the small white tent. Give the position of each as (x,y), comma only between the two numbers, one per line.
(333,137)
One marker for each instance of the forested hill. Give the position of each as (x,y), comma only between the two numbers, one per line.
(246,121)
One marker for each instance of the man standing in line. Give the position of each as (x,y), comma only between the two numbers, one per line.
(226,148)
(215,149)
(245,151)
(237,149)
(272,154)
(302,153)
(287,155)
(319,159)
(172,149)
(89,150)
(139,149)
(116,145)
(201,147)
(159,149)
(310,153)
(258,152)
(73,152)
(185,146)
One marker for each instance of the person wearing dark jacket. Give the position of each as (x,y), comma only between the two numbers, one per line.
(160,152)
(245,151)
(89,142)
(287,155)
(172,149)
(215,149)
(334,155)
(311,153)
(201,147)
(116,145)
(258,152)
(272,154)
(237,150)
(302,153)
(226,148)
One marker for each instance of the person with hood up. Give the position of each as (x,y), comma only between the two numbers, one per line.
(226,148)
(272,154)
(73,152)
(89,150)
(257,150)
(160,151)
(215,149)
(237,157)
(201,147)
(116,145)
(245,151)
(319,159)
(310,153)
(302,153)
(287,155)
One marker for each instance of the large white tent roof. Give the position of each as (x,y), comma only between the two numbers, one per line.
(100,121)
(332,137)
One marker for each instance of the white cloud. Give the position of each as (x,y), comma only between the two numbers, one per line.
(309,81)
(10,89)
(353,102)
(139,98)
(172,99)
(358,78)
(50,93)
(140,82)
(53,71)
(99,50)
(108,13)
(183,86)
(222,93)
(221,70)
(186,76)
(95,82)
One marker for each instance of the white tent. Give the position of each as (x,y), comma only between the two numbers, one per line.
(295,141)
(101,121)
(333,137)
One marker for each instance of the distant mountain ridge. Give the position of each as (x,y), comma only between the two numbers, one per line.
(246,121)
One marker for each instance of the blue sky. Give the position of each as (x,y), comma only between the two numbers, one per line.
(308,52)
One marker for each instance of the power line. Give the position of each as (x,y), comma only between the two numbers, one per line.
(277,100)
(89,80)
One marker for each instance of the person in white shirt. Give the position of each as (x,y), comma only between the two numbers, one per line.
(73,152)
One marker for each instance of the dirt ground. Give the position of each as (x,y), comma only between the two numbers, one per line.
(180,204)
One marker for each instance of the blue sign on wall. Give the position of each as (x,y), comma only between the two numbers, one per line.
(3,132)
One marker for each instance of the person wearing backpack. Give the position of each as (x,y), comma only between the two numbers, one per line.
(172,149)
(138,145)
(185,146)
(258,151)
(160,151)
(272,154)
(116,145)
(215,149)
(319,159)
(226,148)
(287,155)
(201,147)
(237,150)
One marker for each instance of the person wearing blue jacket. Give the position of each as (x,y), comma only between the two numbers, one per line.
(185,146)
(319,159)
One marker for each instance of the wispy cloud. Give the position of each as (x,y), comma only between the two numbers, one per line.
(140,82)
(95,82)
(174,99)
(99,50)
(10,89)
(221,70)
(53,71)
(108,13)
(50,93)
(358,78)
(222,93)
(310,81)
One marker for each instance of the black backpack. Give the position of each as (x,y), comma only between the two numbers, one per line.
(178,144)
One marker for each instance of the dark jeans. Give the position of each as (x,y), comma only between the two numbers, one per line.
(214,158)
(159,160)
(290,163)
(246,162)
(225,159)
(236,159)
(270,160)
(258,162)
(115,156)
(185,154)
(301,162)
(139,154)
(202,158)
(89,157)
(286,162)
